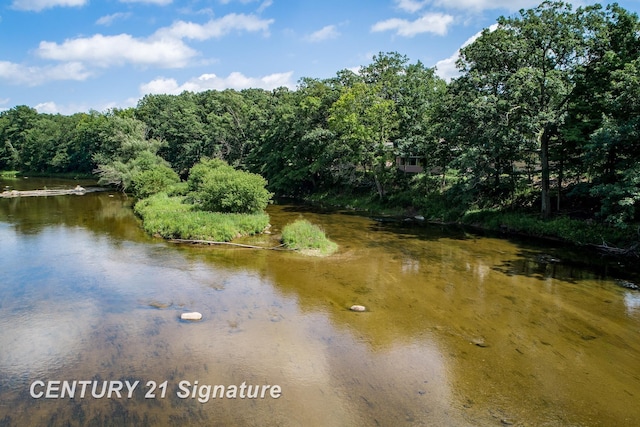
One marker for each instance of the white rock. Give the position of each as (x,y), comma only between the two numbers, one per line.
(358,308)
(191,316)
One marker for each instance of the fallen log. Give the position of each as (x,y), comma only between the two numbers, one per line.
(54,192)
(631,251)
(241,245)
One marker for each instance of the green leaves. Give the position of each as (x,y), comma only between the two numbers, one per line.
(217,187)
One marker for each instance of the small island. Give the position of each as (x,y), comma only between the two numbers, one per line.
(215,205)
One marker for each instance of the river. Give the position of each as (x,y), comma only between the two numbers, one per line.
(460,329)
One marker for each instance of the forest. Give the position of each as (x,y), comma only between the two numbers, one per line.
(543,121)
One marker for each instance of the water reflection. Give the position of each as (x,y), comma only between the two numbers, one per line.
(460,329)
(632,302)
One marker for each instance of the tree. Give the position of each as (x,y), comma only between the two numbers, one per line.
(17,124)
(420,95)
(364,122)
(176,120)
(530,61)
(129,154)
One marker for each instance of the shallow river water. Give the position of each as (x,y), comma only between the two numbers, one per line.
(460,329)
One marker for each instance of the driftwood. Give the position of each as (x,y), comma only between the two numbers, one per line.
(240,245)
(631,251)
(57,192)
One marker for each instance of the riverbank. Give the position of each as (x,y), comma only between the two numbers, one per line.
(54,175)
(522,223)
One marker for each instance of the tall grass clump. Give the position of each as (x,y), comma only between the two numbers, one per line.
(304,236)
(8,174)
(170,218)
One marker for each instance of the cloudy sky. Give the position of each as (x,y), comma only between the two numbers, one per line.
(67,56)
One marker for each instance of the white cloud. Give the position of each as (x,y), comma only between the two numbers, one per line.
(204,82)
(446,68)
(47,108)
(411,6)
(51,107)
(478,5)
(105,51)
(436,23)
(38,5)
(109,19)
(157,2)
(163,49)
(34,76)
(265,4)
(325,33)
(215,28)
(241,1)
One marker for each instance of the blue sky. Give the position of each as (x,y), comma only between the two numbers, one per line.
(68,56)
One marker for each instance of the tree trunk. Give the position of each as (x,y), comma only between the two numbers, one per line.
(560,177)
(379,187)
(544,163)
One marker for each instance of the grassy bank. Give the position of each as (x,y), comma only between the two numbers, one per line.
(308,238)
(517,222)
(170,218)
(59,175)
(8,174)
(562,228)
(359,202)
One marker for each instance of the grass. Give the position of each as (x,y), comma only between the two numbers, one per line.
(359,202)
(170,218)
(439,208)
(60,175)
(575,231)
(8,174)
(309,238)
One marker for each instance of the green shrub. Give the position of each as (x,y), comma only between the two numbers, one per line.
(217,187)
(302,235)
(153,180)
(198,172)
(178,189)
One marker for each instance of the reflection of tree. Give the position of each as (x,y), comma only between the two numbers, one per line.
(95,211)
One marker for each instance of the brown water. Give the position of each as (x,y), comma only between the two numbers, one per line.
(461,330)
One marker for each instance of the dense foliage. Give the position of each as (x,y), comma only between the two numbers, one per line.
(545,116)
(217,187)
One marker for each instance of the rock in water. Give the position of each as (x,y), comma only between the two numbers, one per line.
(191,316)
(358,308)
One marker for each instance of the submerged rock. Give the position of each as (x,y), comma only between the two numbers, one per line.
(191,316)
(358,308)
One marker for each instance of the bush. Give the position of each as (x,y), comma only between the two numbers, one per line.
(198,172)
(217,187)
(153,180)
(302,235)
